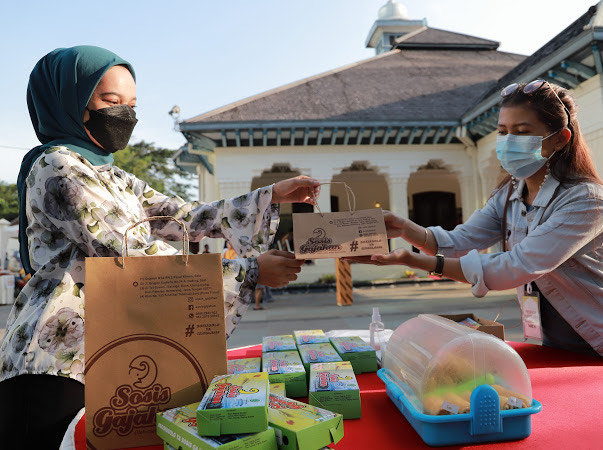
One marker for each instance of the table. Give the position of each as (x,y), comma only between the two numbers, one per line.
(569,386)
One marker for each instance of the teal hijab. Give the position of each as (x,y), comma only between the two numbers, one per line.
(59,89)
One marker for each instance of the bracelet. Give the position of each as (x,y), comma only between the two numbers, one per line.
(426,237)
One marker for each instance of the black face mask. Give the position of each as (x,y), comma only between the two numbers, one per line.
(112,127)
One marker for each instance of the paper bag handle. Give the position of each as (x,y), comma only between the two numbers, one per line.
(349,192)
(185,239)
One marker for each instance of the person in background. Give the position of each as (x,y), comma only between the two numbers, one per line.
(546,213)
(206,248)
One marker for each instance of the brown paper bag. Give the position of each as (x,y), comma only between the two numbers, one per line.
(340,234)
(154,340)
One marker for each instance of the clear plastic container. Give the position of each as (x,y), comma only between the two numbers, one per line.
(455,384)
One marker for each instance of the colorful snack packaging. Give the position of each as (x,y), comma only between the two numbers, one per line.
(333,386)
(178,428)
(278,389)
(362,356)
(304,337)
(286,367)
(281,343)
(317,353)
(299,426)
(245,365)
(234,404)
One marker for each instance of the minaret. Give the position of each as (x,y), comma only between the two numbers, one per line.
(392,22)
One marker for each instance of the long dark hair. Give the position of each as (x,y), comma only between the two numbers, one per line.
(573,163)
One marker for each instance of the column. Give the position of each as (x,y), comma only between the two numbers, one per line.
(467,195)
(324,199)
(398,203)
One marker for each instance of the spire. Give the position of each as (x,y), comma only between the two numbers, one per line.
(392,22)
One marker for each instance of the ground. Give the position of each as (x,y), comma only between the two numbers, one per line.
(313,310)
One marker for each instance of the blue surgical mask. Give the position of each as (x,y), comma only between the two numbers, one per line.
(521,156)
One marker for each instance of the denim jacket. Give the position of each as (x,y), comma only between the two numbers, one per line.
(559,247)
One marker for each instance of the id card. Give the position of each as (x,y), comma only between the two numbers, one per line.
(530,313)
(339,234)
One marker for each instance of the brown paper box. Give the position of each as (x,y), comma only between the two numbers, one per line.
(339,234)
(154,340)
(485,325)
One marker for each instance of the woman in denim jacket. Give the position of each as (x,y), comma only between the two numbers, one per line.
(546,214)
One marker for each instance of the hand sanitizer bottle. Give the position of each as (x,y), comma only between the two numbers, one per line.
(376,329)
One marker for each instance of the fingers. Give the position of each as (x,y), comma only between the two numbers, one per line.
(282,253)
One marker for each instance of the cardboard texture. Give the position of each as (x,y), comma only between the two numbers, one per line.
(303,337)
(244,365)
(353,349)
(485,325)
(286,367)
(299,426)
(154,339)
(278,389)
(333,386)
(278,343)
(178,428)
(234,404)
(339,234)
(317,353)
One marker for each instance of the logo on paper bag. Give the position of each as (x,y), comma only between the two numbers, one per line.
(318,243)
(133,405)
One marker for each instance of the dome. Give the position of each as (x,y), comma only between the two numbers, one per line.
(392,10)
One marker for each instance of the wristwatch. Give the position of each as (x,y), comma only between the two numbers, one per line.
(439,268)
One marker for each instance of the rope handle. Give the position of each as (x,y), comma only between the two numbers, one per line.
(520,312)
(348,191)
(185,238)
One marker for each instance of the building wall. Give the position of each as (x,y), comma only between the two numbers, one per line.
(237,166)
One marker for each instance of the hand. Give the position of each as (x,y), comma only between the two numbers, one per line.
(397,257)
(393,224)
(300,189)
(278,268)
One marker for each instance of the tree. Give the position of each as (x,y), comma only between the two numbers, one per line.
(9,201)
(155,166)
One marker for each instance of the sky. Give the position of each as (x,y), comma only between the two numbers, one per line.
(204,54)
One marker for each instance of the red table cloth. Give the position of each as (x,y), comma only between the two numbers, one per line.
(569,386)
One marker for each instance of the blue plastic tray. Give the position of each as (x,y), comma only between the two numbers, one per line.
(485,422)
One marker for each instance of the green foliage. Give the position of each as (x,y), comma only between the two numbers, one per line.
(155,166)
(327,278)
(9,201)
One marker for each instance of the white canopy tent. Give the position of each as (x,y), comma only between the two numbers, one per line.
(9,242)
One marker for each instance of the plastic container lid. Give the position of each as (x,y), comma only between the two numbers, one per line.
(436,362)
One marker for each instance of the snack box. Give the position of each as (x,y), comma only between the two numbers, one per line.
(178,428)
(299,426)
(333,386)
(281,343)
(353,349)
(234,404)
(318,353)
(245,365)
(278,389)
(304,337)
(286,367)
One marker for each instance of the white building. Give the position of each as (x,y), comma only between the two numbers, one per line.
(411,129)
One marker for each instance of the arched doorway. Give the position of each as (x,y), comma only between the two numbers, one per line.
(434,196)
(369,186)
(279,172)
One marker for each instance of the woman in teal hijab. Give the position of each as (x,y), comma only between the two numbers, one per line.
(75,204)
(57,96)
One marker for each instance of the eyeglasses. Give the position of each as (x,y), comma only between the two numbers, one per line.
(532,87)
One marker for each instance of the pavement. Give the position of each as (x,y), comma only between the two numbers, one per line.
(318,310)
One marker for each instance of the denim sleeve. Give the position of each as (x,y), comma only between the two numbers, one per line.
(574,223)
(482,229)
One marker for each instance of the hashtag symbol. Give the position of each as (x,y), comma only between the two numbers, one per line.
(353,246)
(188,332)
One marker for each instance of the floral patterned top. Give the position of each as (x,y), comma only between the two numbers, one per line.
(76,210)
